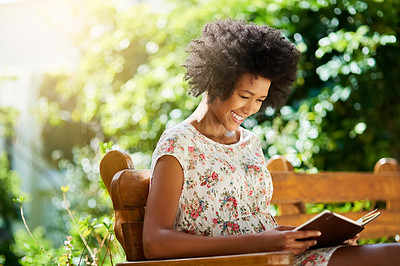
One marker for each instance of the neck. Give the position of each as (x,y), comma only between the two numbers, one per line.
(206,123)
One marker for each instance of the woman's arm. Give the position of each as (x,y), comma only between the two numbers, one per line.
(160,240)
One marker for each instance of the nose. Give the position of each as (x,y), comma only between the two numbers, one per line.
(250,108)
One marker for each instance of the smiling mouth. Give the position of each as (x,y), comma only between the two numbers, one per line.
(238,119)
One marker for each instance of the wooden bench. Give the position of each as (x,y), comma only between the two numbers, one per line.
(128,189)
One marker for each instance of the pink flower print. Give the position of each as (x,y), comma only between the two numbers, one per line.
(195,205)
(202,156)
(257,168)
(215,221)
(235,203)
(195,215)
(203,183)
(170,149)
(235,227)
(193,232)
(251,192)
(250,169)
(191,149)
(228,205)
(232,168)
(214,176)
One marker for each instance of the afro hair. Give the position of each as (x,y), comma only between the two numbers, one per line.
(228,49)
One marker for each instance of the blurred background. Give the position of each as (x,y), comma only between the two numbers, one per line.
(80,77)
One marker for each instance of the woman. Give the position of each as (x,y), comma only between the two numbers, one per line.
(210,189)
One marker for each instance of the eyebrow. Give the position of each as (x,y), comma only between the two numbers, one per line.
(252,94)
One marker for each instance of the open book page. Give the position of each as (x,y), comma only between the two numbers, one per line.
(369,217)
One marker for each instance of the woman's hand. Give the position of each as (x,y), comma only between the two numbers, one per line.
(352,241)
(282,238)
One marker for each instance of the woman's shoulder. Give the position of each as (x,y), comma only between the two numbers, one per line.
(179,131)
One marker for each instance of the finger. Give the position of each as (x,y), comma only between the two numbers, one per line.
(284,228)
(350,242)
(302,244)
(306,234)
(297,251)
(299,247)
(353,244)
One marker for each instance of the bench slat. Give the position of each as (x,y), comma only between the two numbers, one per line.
(327,187)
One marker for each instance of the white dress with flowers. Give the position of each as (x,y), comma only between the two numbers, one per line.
(227,189)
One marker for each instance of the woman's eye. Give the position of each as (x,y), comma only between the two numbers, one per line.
(244,97)
(260,100)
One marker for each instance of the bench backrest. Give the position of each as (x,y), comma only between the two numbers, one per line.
(128,189)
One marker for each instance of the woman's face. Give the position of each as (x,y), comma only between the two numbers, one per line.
(246,99)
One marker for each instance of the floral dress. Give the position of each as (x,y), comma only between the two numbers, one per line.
(227,189)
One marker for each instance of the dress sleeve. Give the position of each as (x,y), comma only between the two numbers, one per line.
(173,144)
(257,148)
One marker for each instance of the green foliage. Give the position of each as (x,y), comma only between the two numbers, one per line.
(9,188)
(353,94)
(28,249)
(86,210)
(8,116)
(356,206)
(129,85)
(105,147)
(91,242)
